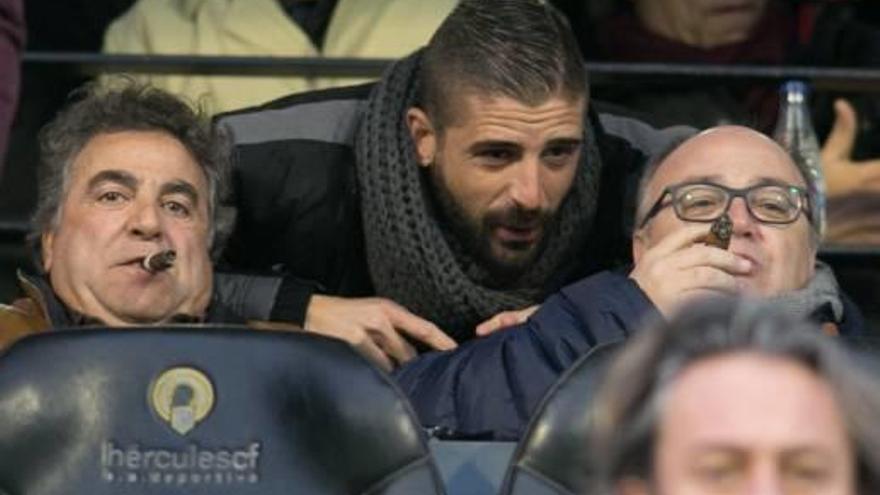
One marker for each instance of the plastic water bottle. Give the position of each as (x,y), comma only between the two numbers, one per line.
(794,132)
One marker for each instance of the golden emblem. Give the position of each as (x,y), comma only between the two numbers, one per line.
(182,397)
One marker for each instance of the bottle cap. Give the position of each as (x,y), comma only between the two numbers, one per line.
(795,90)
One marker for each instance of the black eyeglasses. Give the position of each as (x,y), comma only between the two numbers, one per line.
(706,202)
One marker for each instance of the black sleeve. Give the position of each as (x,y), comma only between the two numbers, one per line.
(265,297)
(292,300)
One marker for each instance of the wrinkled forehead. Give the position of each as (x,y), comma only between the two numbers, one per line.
(733,400)
(471,104)
(141,155)
(732,156)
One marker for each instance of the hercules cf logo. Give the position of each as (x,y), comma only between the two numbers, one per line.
(182,397)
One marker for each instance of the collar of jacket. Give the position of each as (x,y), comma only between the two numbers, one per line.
(52,313)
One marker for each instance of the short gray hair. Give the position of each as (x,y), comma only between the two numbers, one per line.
(628,406)
(131,107)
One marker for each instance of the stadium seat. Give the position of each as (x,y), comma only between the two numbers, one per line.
(552,457)
(203,410)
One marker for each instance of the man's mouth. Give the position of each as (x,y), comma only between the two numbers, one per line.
(756,265)
(509,234)
(137,263)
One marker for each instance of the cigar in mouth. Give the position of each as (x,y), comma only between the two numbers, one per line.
(720,232)
(159,261)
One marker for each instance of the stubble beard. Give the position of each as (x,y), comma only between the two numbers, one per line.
(475,235)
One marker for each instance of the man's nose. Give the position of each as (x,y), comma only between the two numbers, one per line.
(743,221)
(765,480)
(145,220)
(527,188)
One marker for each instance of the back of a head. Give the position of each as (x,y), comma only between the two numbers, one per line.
(629,406)
(522,49)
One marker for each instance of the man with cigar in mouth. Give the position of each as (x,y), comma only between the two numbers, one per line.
(127,214)
(734,174)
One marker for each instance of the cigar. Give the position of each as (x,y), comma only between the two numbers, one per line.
(720,232)
(159,261)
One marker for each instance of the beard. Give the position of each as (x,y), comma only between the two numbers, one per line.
(506,261)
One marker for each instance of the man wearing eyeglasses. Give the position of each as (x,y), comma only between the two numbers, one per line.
(772,251)
(489,387)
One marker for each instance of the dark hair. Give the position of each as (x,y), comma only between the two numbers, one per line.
(628,408)
(523,49)
(132,107)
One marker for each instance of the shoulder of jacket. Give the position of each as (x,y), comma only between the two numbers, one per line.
(328,116)
(360,92)
(18,320)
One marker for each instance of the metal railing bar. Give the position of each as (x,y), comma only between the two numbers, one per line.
(211,65)
(357,67)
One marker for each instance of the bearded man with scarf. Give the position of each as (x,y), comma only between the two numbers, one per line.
(475,178)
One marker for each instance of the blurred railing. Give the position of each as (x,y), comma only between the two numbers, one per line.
(854,79)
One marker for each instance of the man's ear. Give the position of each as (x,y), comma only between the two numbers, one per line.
(47,240)
(423,135)
(639,245)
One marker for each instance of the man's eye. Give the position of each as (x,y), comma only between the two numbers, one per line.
(699,203)
(560,151)
(772,206)
(111,197)
(499,155)
(810,474)
(719,473)
(176,208)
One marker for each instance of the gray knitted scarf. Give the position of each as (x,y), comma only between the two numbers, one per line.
(413,258)
(821,291)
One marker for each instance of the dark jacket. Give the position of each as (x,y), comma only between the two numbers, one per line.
(299,209)
(39,310)
(489,387)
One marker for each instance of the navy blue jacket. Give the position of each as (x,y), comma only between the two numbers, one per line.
(489,387)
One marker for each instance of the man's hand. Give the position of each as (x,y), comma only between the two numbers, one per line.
(842,175)
(375,327)
(680,268)
(505,319)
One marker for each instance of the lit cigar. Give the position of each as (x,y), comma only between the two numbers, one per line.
(720,232)
(159,261)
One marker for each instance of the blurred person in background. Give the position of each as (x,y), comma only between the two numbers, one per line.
(753,32)
(11,44)
(735,398)
(269,28)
